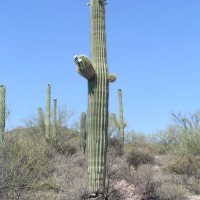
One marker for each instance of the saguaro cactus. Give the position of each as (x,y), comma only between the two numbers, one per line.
(41,122)
(96,72)
(54,117)
(48,112)
(121,123)
(2,111)
(83,134)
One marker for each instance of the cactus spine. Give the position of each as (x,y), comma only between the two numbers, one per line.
(121,123)
(96,72)
(48,112)
(54,117)
(2,111)
(83,134)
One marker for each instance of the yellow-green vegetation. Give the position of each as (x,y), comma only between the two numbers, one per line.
(187,165)
(139,156)
(24,165)
(28,162)
(32,168)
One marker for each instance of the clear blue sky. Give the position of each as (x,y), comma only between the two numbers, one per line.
(152,45)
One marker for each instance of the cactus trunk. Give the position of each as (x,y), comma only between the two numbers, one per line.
(48,112)
(98,100)
(2,111)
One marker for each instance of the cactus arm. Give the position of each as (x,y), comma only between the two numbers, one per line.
(2,111)
(114,118)
(84,67)
(111,77)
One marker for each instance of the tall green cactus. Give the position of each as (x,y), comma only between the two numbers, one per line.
(48,112)
(54,117)
(2,111)
(96,72)
(121,123)
(83,133)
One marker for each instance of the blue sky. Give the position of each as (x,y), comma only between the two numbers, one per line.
(152,46)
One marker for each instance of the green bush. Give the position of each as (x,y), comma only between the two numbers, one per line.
(139,156)
(24,166)
(187,165)
(188,139)
(65,143)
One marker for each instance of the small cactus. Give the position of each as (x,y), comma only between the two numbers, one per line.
(83,134)
(2,111)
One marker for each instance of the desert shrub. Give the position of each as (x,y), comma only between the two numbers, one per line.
(144,180)
(189,142)
(139,156)
(189,136)
(115,147)
(188,165)
(71,176)
(166,140)
(156,186)
(136,139)
(64,143)
(170,191)
(193,185)
(24,166)
(159,148)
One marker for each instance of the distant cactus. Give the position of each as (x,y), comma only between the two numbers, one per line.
(48,113)
(121,123)
(2,111)
(96,72)
(54,117)
(83,134)
(41,122)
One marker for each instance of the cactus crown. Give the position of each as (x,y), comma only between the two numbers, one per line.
(100,2)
